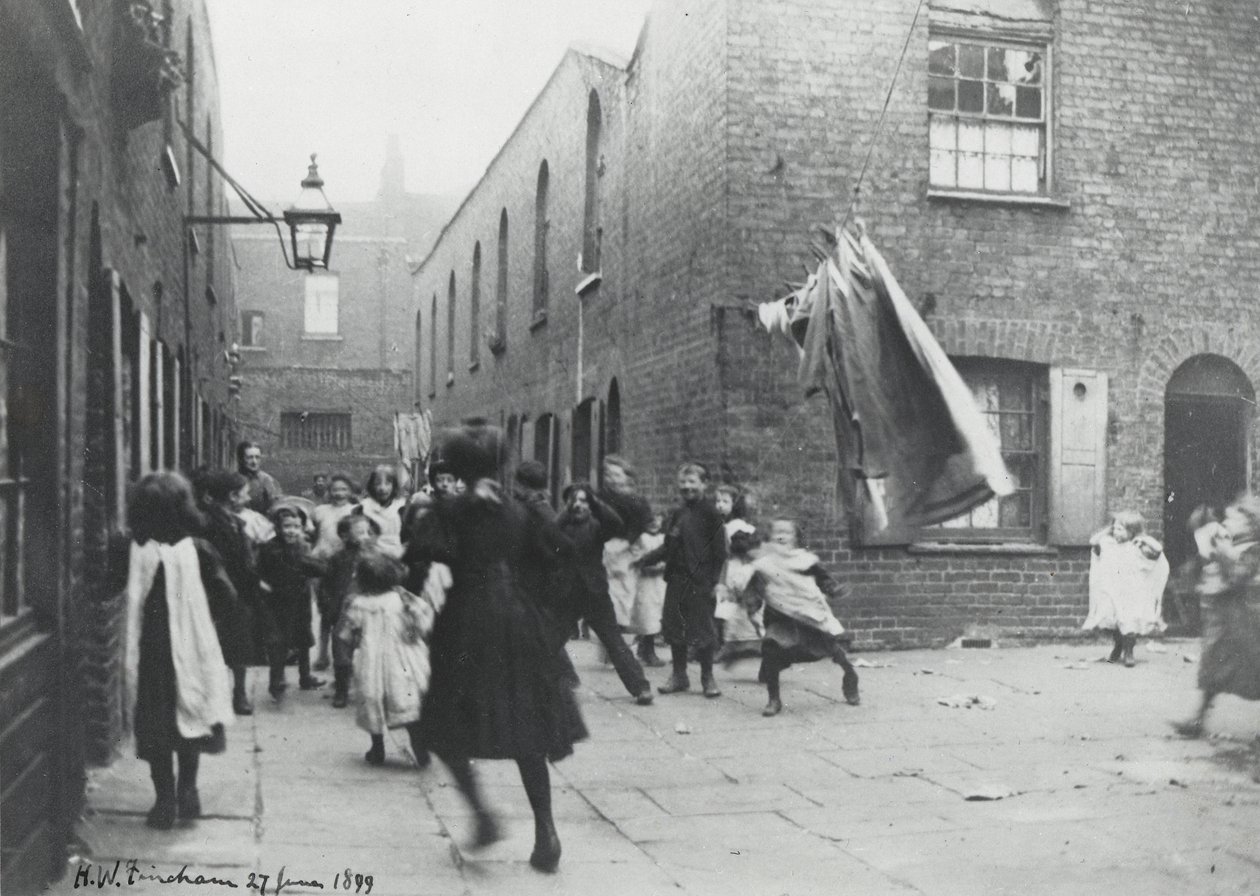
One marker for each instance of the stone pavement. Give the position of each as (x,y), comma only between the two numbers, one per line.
(695,796)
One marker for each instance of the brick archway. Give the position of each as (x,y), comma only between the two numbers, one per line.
(1037,341)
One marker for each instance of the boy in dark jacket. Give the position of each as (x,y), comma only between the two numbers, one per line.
(285,568)
(694,552)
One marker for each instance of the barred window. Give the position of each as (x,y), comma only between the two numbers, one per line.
(320,431)
(987,105)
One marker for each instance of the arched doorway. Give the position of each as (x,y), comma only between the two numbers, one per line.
(1208,407)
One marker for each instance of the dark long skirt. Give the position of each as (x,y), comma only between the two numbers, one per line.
(1231,644)
(788,642)
(157,734)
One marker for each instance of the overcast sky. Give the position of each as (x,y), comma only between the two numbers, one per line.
(450,77)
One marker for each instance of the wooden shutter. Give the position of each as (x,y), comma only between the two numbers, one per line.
(1078,454)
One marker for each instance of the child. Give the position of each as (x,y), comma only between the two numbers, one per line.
(386,628)
(384,504)
(177,592)
(649,593)
(1127,575)
(1229,594)
(740,636)
(795,590)
(694,552)
(224,493)
(285,568)
(358,534)
(327,521)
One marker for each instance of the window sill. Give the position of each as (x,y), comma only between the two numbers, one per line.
(1007,548)
(540,318)
(321,337)
(1022,199)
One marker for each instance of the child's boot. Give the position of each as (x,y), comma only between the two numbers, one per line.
(707,681)
(376,753)
(678,680)
(774,705)
(341,686)
(307,681)
(162,815)
(647,652)
(1129,642)
(240,699)
(323,662)
(1117,651)
(276,686)
(546,854)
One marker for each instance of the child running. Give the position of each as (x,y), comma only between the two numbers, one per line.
(800,627)
(1127,575)
(357,534)
(386,628)
(740,633)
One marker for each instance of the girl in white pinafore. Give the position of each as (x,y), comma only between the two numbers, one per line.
(1127,575)
(387,627)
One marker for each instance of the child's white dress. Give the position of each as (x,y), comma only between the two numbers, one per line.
(391,659)
(739,626)
(1126,585)
(649,588)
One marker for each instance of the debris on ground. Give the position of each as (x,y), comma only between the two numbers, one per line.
(1076,665)
(988,792)
(682,728)
(967,701)
(1189,658)
(927,672)
(868,664)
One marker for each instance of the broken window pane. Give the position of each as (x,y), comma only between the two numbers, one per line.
(1000,99)
(940,58)
(1024,66)
(970,96)
(1028,102)
(941,94)
(971,61)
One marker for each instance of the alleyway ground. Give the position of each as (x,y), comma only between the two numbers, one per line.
(824,799)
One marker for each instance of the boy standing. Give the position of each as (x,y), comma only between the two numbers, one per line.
(694,553)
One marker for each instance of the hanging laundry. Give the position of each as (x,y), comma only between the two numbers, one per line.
(906,426)
(413,435)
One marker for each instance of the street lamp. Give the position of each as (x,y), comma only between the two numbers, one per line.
(312,222)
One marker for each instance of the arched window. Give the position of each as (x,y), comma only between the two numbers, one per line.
(417,369)
(501,284)
(592,233)
(450,330)
(612,420)
(433,347)
(474,309)
(541,224)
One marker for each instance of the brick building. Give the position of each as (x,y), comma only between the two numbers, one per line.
(327,358)
(1066,190)
(116,317)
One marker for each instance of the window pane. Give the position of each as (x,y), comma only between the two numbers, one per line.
(997,138)
(986,515)
(1026,140)
(1015,511)
(1028,102)
(1000,99)
(971,136)
(1024,176)
(970,96)
(971,170)
(997,172)
(970,61)
(997,64)
(941,93)
(940,58)
(1016,432)
(1024,66)
(942,169)
(942,132)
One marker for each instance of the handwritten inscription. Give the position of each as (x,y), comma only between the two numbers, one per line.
(129,873)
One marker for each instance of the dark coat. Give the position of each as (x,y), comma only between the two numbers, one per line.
(496,690)
(285,610)
(225,532)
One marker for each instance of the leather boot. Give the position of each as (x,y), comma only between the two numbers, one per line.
(341,686)
(678,680)
(546,854)
(707,681)
(774,705)
(1130,641)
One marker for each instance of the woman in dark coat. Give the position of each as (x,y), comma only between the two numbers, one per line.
(496,690)
(227,492)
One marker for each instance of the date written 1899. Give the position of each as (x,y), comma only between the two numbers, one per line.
(345,881)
